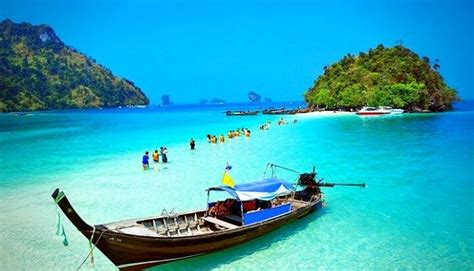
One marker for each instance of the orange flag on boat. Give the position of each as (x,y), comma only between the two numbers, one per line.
(226,179)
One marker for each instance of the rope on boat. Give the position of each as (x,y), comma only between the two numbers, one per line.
(91,247)
(170,214)
(59,226)
(59,197)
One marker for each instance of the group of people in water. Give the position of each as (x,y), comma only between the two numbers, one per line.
(231,134)
(238,132)
(213,138)
(265,126)
(156,157)
(210,138)
(281,121)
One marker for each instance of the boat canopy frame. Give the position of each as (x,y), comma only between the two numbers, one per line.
(253,190)
(265,189)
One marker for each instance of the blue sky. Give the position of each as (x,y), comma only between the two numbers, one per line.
(204,49)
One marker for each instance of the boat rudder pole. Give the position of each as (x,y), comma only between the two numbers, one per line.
(363,185)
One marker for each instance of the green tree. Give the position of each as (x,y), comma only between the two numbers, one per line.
(38,71)
(393,76)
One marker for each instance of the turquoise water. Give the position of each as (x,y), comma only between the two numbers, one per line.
(417,213)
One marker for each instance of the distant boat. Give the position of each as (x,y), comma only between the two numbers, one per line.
(241,113)
(381,110)
(250,210)
(280,111)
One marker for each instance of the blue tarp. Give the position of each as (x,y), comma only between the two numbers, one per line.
(265,189)
(264,214)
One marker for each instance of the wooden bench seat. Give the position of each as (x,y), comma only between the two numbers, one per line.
(219,222)
(233,218)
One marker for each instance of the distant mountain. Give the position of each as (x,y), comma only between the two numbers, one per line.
(382,76)
(254,97)
(38,71)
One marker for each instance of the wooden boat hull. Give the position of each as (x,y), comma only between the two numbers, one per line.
(132,252)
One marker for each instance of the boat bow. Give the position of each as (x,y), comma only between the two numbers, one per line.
(61,200)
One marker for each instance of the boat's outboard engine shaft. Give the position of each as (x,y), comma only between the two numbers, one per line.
(308,180)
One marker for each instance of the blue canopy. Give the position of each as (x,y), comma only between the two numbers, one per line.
(265,189)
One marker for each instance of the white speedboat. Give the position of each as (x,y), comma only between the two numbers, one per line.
(397,111)
(381,110)
(372,111)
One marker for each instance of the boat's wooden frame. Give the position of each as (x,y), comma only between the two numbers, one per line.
(140,243)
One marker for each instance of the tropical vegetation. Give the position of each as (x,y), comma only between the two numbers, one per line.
(394,76)
(38,71)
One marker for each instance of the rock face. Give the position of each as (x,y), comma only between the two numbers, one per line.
(394,77)
(38,72)
(254,97)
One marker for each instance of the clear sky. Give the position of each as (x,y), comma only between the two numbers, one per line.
(204,49)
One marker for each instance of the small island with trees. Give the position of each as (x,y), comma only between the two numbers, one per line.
(394,76)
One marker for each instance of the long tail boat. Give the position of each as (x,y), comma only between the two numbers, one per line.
(241,113)
(251,210)
(280,111)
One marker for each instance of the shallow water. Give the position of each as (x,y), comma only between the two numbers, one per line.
(417,212)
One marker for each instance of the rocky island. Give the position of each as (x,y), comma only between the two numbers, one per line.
(166,100)
(39,72)
(254,97)
(394,76)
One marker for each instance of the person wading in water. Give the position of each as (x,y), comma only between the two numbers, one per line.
(145,163)
(156,156)
(164,157)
